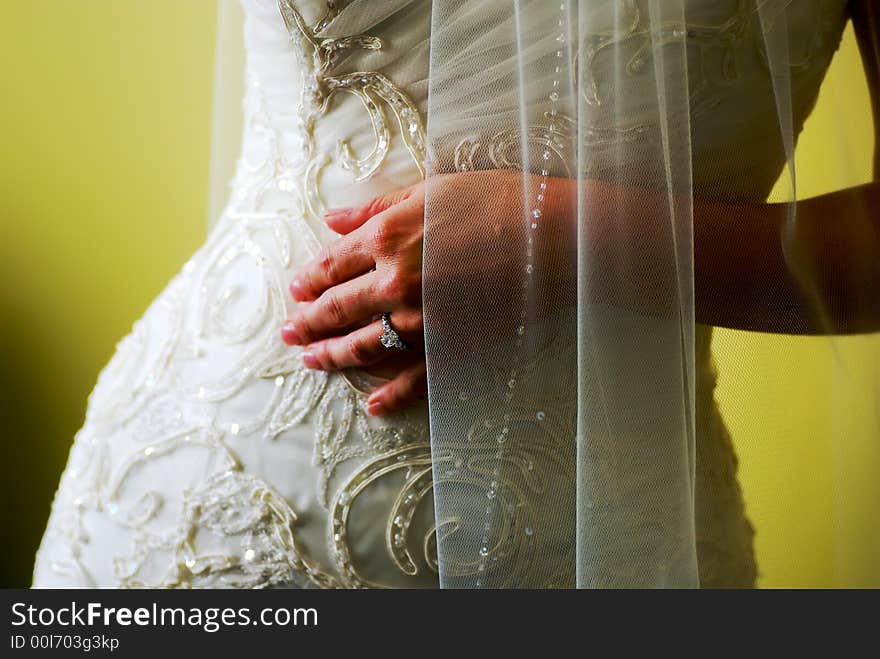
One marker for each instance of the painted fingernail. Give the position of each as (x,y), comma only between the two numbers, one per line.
(309,360)
(375,408)
(296,290)
(288,333)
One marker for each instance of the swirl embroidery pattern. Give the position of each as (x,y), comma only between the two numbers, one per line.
(160,461)
(719,51)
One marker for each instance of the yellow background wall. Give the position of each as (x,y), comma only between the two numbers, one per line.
(104,148)
(802,411)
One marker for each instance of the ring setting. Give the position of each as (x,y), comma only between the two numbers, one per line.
(390,339)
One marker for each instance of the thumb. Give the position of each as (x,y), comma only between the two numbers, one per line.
(346,220)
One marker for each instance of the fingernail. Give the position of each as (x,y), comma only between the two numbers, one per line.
(296,290)
(309,360)
(334,213)
(288,333)
(375,408)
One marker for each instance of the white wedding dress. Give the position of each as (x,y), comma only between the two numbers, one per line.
(211,458)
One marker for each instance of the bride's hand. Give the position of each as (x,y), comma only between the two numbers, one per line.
(375,267)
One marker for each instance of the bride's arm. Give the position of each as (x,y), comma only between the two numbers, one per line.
(750,271)
(754,268)
(753,272)
(745,278)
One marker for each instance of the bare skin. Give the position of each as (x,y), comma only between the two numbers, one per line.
(743,272)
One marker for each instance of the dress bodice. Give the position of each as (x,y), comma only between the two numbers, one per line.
(334,106)
(337,92)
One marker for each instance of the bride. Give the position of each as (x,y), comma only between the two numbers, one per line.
(406,212)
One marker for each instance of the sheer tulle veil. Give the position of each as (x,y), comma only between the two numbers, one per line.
(561,347)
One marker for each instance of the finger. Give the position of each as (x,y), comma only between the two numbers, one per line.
(362,347)
(350,303)
(346,220)
(337,262)
(389,367)
(357,349)
(406,388)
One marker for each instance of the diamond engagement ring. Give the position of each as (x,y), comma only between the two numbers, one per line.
(390,338)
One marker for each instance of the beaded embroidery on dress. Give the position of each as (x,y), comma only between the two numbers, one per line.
(209,456)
